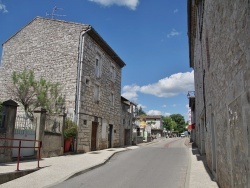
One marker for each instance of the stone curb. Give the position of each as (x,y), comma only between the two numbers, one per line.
(86,170)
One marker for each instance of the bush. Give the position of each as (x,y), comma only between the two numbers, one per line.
(70,129)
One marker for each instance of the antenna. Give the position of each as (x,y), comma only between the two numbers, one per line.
(53,12)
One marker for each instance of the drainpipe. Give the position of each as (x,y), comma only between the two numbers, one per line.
(79,77)
(79,74)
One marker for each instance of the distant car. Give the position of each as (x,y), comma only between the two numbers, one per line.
(183,135)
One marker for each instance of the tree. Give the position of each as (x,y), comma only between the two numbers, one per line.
(24,89)
(180,121)
(141,112)
(32,93)
(169,124)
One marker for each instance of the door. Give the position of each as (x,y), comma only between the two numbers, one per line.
(214,162)
(110,136)
(94,136)
(127,137)
(202,136)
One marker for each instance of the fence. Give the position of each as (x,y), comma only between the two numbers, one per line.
(25,129)
(20,146)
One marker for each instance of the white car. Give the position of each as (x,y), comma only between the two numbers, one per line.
(183,135)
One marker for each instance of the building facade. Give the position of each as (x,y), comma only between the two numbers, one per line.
(219,41)
(127,118)
(86,67)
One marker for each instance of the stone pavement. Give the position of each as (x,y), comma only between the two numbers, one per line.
(199,175)
(57,169)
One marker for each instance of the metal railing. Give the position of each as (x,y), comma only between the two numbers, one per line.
(20,146)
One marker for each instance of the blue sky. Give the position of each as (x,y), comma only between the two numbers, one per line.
(150,36)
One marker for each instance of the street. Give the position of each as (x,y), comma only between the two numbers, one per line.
(163,163)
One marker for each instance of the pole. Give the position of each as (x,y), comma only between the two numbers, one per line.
(18,157)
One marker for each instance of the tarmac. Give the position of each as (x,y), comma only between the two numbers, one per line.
(58,169)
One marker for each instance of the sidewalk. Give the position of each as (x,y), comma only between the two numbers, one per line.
(57,169)
(199,175)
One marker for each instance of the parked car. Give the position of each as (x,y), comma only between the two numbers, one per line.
(183,135)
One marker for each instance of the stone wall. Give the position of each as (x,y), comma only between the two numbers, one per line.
(50,49)
(221,63)
(102,111)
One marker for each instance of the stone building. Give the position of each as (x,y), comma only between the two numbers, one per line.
(219,52)
(127,115)
(87,68)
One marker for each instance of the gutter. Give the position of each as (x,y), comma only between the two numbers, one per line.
(79,74)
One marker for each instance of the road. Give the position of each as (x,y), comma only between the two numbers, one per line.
(163,163)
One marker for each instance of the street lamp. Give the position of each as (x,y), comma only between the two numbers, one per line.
(191,94)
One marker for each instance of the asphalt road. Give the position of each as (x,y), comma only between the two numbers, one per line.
(161,164)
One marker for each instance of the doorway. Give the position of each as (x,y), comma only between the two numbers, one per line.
(202,136)
(94,136)
(214,161)
(110,132)
(127,137)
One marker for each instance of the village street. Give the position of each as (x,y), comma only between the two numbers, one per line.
(161,164)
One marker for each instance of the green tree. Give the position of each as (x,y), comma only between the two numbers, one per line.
(169,124)
(32,93)
(24,89)
(180,122)
(141,112)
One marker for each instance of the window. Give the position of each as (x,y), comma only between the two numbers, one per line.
(123,122)
(112,99)
(98,66)
(97,93)
(87,81)
(112,72)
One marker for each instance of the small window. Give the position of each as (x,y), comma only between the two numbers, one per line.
(97,93)
(123,121)
(85,122)
(112,99)
(87,81)
(98,66)
(112,72)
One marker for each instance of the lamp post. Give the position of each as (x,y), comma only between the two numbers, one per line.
(191,94)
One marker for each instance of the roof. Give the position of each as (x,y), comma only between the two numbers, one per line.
(91,32)
(123,99)
(191,27)
(150,117)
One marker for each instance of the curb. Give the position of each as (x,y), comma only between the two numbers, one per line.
(6,177)
(85,170)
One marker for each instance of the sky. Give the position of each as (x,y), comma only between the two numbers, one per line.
(150,36)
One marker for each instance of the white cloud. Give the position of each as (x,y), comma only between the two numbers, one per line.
(164,106)
(171,86)
(167,87)
(154,112)
(167,114)
(130,92)
(174,105)
(173,33)
(142,106)
(3,8)
(176,10)
(131,4)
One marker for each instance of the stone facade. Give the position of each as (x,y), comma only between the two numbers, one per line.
(82,62)
(220,56)
(127,114)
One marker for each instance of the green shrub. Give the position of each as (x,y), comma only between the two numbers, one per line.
(70,129)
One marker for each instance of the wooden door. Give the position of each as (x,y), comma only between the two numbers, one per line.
(110,136)
(94,136)
(127,137)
